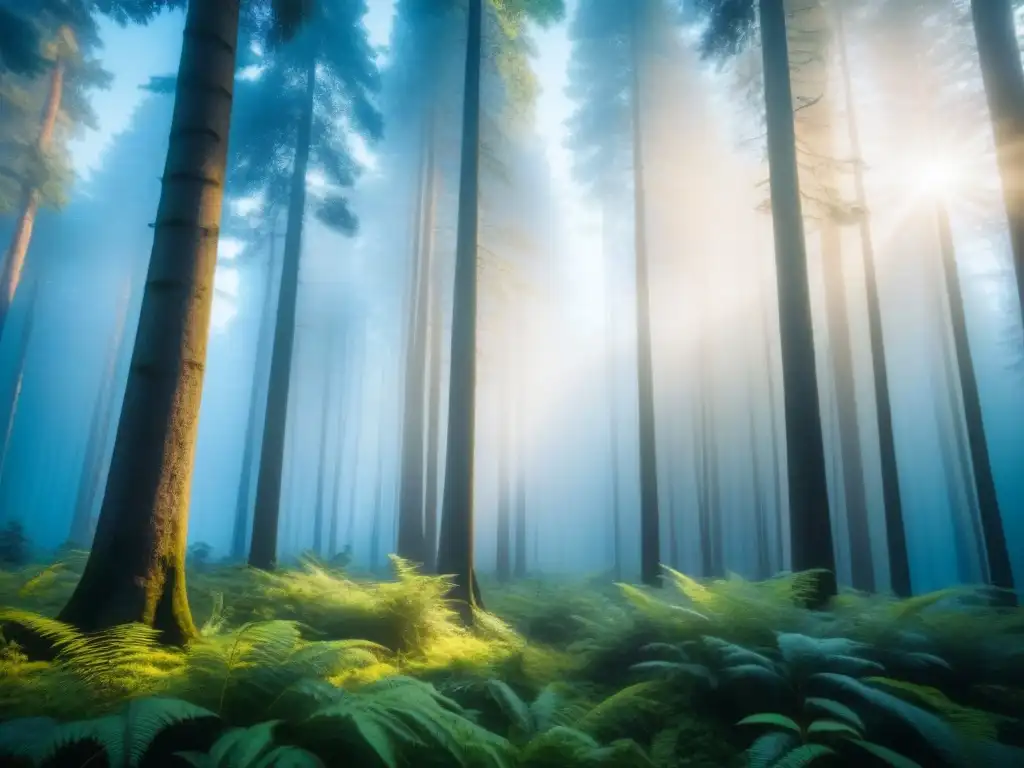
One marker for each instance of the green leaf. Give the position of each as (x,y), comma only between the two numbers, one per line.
(832,726)
(886,755)
(836,709)
(772,718)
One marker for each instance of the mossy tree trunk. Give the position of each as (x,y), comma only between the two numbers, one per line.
(136,569)
(267,510)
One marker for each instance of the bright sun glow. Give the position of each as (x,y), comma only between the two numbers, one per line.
(939,175)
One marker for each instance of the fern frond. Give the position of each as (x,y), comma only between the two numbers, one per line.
(836,709)
(774,719)
(514,708)
(821,727)
(970,722)
(770,747)
(885,755)
(931,729)
(622,708)
(804,755)
(124,737)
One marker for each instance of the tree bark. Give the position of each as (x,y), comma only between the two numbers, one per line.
(80,534)
(810,528)
(136,570)
(14,261)
(1000,569)
(240,529)
(1003,75)
(650,544)
(267,510)
(455,555)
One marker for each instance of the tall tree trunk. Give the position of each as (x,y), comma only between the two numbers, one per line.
(360,358)
(1003,75)
(15,395)
(1000,570)
(895,530)
(411,537)
(849,450)
(778,551)
(332,534)
(14,261)
(966,517)
(263,546)
(810,529)
(520,510)
(970,553)
(704,513)
(650,544)
(136,570)
(613,402)
(504,527)
(763,561)
(264,339)
(378,500)
(455,554)
(321,470)
(433,419)
(80,534)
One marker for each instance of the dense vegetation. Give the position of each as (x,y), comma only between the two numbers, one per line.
(317,666)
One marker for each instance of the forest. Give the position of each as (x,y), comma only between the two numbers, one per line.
(511,383)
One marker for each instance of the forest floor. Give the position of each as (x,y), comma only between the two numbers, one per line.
(317,667)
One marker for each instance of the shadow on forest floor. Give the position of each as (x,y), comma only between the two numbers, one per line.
(315,666)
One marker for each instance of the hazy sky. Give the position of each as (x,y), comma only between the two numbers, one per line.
(135,54)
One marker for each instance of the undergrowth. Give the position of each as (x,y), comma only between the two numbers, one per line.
(315,666)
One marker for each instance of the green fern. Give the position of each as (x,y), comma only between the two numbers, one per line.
(260,662)
(254,747)
(932,730)
(804,755)
(970,722)
(399,716)
(124,737)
